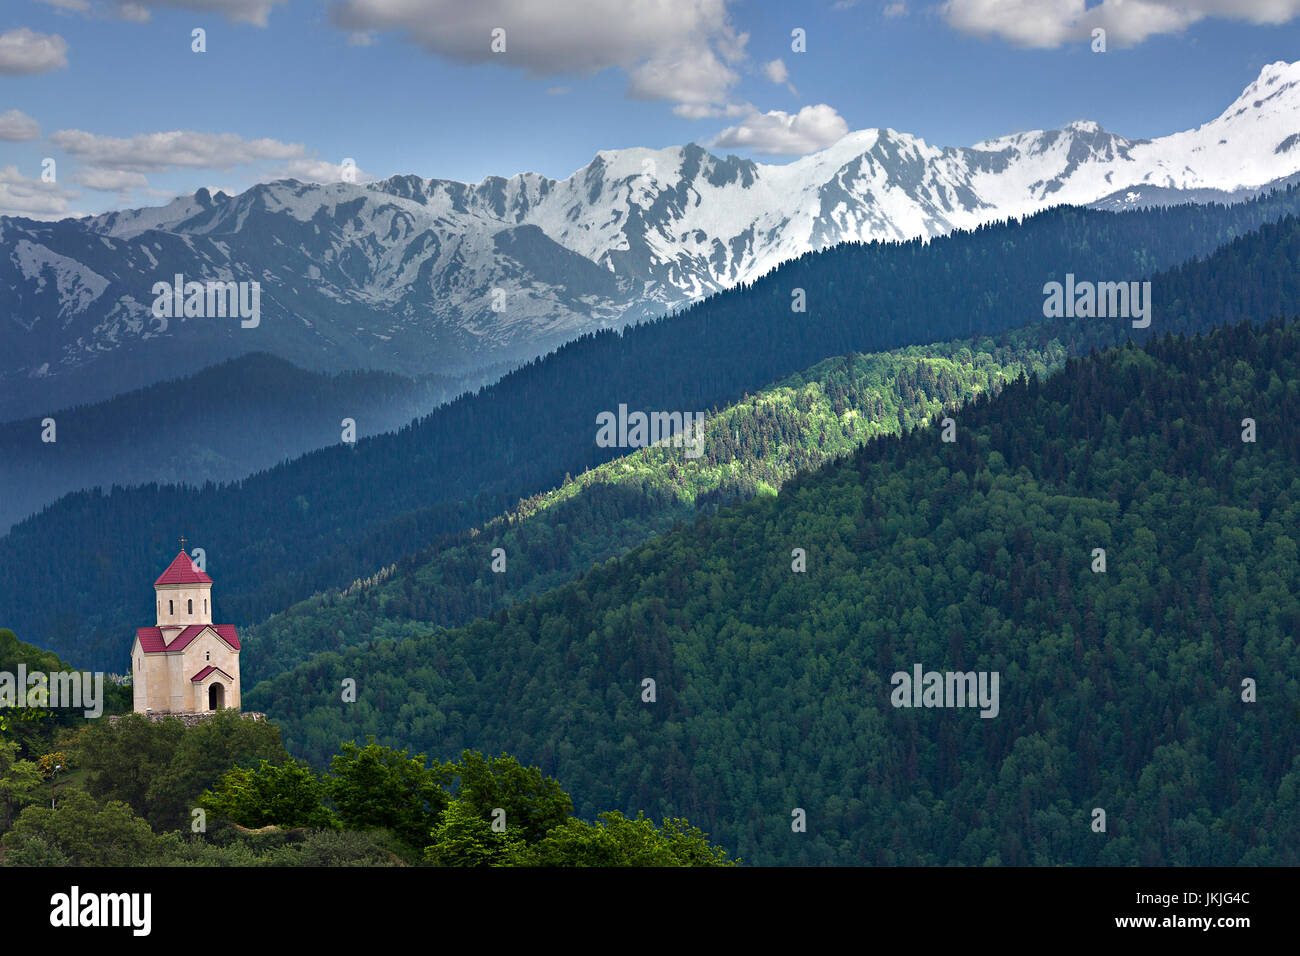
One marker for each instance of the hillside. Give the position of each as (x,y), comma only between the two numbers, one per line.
(340,513)
(753,447)
(1120,690)
(221,424)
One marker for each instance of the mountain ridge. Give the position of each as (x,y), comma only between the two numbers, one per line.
(417,275)
(193,430)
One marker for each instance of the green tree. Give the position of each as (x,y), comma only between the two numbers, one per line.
(35,851)
(465,838)
(160,767)
(124,759)
(285,795)
(533,803)
(20,782)
(377,787)
(615,840)
(84,831)
(202,754)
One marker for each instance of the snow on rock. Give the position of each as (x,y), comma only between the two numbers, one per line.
(633,233)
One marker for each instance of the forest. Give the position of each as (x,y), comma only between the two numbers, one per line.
(752,448)
(341,513)
(1160,689)
(91,792)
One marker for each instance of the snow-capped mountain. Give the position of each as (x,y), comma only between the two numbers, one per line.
(419,275)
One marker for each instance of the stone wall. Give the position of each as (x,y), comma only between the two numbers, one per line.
(189,720)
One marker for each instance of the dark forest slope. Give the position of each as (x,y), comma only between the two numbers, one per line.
(1120,690)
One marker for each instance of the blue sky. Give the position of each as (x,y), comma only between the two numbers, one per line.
(113,92)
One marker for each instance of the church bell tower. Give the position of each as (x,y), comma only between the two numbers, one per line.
(185,664)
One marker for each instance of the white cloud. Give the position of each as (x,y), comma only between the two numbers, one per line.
(25,196)
(17,127)
(134,12)
(116,164)
(77,6)
(109,180)
(895,9)
(694,111)
(315,171)
(790,134)
(674,50)
(1051,23)
(24,52)
(141,11)
(693,77)
(777,72)
(238,11)
(177,148)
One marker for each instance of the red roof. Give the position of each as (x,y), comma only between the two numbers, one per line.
(208,670)
(182,571)
(151,639)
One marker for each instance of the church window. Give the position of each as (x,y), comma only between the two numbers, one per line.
(191,610)
(207,656)
(171,607)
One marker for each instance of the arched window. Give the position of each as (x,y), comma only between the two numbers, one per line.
(191,610)
(171,607)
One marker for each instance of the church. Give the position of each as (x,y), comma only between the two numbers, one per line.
(185,664)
